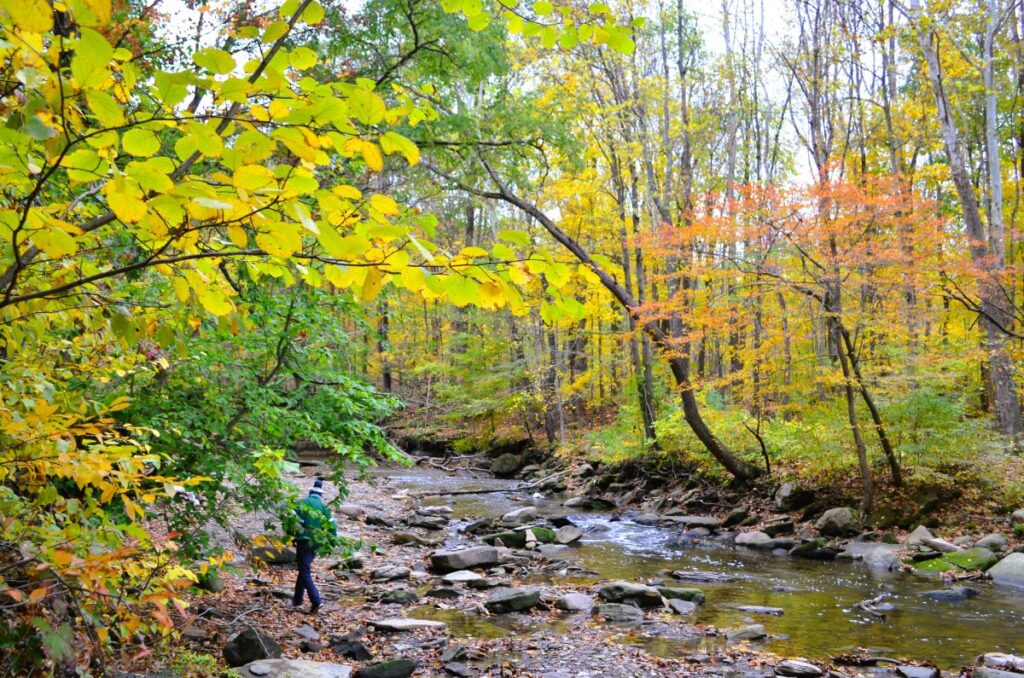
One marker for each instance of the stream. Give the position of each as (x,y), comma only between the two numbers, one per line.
(819,619)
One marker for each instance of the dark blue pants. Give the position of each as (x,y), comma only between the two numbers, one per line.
(304,555)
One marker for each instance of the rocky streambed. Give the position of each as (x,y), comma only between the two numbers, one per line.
(466,576)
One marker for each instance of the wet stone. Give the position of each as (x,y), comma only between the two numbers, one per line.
(751,632)
(682,606)
(444,593)
(512,600)
(575,602)
(797,669)
(392,668)
(616,612)
(917,672)
(760,609)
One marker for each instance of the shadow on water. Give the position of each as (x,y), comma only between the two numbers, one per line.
(818,598)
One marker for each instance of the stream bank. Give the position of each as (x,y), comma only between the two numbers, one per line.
(770,604)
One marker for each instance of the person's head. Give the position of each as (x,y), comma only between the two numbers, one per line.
(318,487)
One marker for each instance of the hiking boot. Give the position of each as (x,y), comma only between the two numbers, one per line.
(314,608)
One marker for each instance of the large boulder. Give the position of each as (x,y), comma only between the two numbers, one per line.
(792,497)
(506,465)
(464,559)
(838,522)
(917,537)
(248,646)
(1009,572)
(293,668)
(625,592)
(512,600)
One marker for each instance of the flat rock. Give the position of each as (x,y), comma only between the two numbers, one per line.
(293,668)
(455,653)
(398,624)
(427,522)
(1009,572)
(351,510)
(682,606)
(461,577)
(986,672)
(797,669)
(616,612)
(701,576)
(917,671)
(751,632)
(390,573)
(392,668)
(576,502)
(504,600)
(695,596)
(761,609)
(575,602)
(464,559)
(307,632)
(439,510)
(626,592)
(1002,661)
(568,534)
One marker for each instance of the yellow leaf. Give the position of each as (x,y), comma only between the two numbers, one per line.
(238,236)
(101,8)
(55,242)
(128,208)
(252,178)
(384,204)
(372,284)
(372,157)
(413,278)
(283,241)
(181,289)
(37,595)
(474,252)
(216,302)
(33,16)
(349,192)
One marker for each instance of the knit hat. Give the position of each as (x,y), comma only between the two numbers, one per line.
(318,487)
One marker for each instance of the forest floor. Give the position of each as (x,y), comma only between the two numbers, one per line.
(541,642)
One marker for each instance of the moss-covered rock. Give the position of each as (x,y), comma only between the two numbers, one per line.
(975,559)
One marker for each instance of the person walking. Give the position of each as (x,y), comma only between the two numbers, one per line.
(314,530)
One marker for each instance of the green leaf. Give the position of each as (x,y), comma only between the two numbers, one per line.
(92,56)
(140,142)
(479,22)
(543,8)
(302,58)
(214,60)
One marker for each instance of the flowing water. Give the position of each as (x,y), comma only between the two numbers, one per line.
(818,598)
